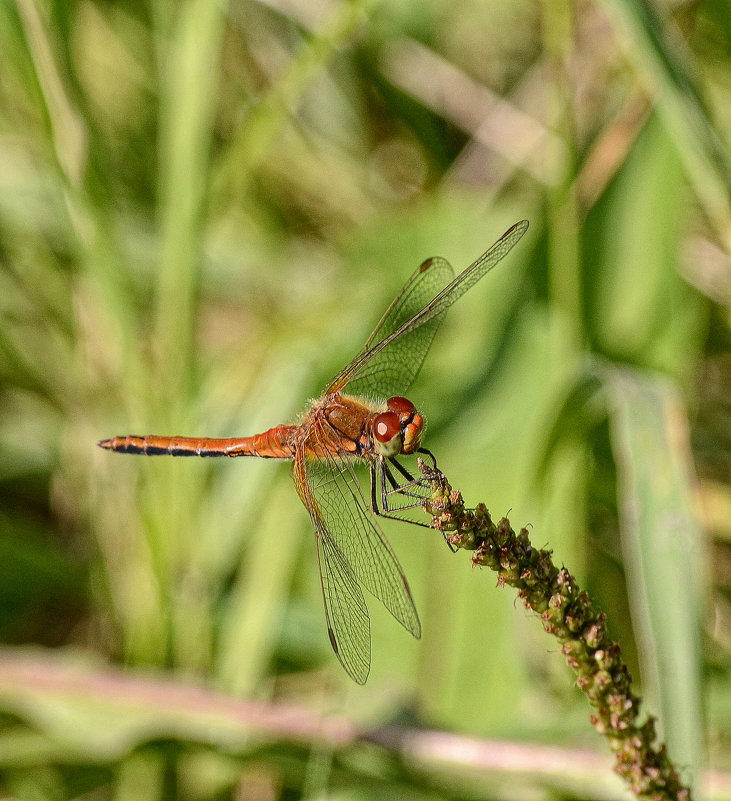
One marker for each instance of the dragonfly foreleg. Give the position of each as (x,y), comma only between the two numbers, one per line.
(381,477)
(419,487)
(398,495)
(431,456)
(423,483)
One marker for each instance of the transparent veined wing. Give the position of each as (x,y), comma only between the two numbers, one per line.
(394,368)
(346,613)
(352,551)
(395,351)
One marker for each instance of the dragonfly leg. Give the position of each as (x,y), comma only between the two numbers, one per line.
(397,496)
(404,472)
(431,456)
(417,488)
(381,478)
(423,483)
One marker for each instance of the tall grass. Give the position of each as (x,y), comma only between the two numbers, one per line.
(205,207)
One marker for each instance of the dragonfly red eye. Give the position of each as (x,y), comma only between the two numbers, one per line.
(402,406)
(386,426)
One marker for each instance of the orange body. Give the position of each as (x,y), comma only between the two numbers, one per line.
(335,425)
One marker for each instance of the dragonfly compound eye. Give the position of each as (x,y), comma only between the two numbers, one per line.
(387,433)
(410,421)
(402,406)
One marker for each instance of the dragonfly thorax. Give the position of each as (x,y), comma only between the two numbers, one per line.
(397,430)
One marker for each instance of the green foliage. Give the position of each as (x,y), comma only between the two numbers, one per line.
(204,209)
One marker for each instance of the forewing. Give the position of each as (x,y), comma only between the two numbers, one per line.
(396,350)
(392,370)
(357,535)
(346,613)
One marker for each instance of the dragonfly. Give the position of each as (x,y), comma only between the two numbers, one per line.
(350,425)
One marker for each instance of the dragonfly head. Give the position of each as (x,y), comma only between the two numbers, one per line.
(399,429)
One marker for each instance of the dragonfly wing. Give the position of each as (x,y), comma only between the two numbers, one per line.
(357,535)
(375,369)
(394,369)
(346,613)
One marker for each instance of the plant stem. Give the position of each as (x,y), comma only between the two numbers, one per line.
(569,614)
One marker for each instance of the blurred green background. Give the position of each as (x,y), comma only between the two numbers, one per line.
(205,207)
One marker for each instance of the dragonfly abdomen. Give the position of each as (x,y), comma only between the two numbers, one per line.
(272,444)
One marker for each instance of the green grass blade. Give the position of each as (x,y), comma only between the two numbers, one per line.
(663,547)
